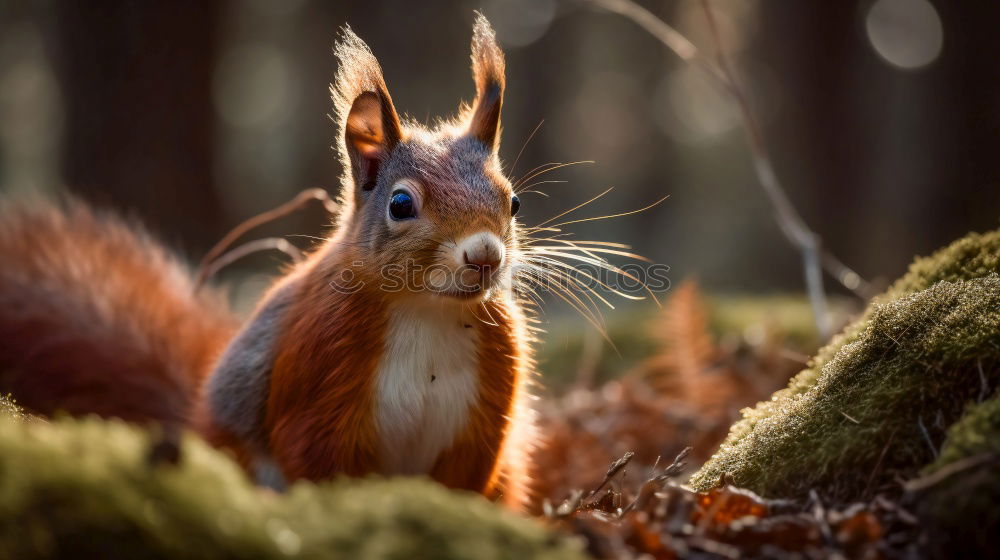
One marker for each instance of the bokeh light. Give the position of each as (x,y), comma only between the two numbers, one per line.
(520,22)
(906,34)
(692,109)
(253,86)
(30,112)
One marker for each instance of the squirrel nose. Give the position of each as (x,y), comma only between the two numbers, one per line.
(483,262)
(483,252)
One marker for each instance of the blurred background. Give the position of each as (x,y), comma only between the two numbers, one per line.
(883,118)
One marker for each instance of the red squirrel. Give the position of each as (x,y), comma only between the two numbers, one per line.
(400,346)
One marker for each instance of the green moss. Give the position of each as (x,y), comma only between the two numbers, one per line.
(974,256)
(960,507)
(872,398)
(84,488)
(978,431)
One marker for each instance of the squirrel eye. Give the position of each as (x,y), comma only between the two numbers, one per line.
(401,206)
(515,205)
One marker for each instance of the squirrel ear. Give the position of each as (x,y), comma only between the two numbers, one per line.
(367,121)
(488,71)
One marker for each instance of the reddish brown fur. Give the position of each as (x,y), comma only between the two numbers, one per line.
(95,317)
(320,413)
(319,410)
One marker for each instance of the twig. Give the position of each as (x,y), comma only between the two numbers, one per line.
(927,436)
(656,27)
(902,513)
(819,513)
(964,464)
(847,277)
(250,247)
(716,506)
(814,258)
(657,481)
(612,471)
(849,417)
(675,468)
(570,505)
(285,209)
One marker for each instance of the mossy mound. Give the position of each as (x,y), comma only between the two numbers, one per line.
(86,489)
(960,493)
(973,256)
(876,400)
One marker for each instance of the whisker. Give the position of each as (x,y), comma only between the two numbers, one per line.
(552,167)
(629,213)
(573,209)
(598,325)
(571,285)
(598,261)
(566,295)
(306,236)
(615,291)
(583,242)
(602,263)
(527,232)
(494,323)
(526,295)
(537,167)
(588,257)
(594,249)
(578,285)
(513,166)
(546,195)
(526,290)
(521,189)
(533,295)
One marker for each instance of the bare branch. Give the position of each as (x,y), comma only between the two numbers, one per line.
(949,470)
(208,268)
(248,248)
(656,27)
(847,277)
(788,218)
(792,225)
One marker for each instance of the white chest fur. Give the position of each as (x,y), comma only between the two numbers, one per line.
(427,382)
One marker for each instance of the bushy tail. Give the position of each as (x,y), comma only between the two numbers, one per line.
(96,317)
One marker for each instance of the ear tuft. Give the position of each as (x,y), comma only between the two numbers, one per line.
(487,58)
(488,69)
(358,72)
(367,124)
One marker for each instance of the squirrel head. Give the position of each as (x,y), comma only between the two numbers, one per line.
(429,210)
